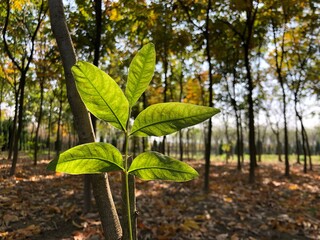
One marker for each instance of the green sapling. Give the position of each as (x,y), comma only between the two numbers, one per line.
(105,99)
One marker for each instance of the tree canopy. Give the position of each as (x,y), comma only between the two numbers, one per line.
(235,55)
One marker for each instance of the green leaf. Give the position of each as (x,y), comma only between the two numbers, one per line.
(165,118)
(87,159)
(140,73)
(101,94)
(156,166)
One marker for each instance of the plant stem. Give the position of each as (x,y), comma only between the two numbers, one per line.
(128,206)
(127,185)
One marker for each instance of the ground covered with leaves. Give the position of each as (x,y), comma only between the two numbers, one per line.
(37,204)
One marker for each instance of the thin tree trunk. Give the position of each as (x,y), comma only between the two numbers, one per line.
(279,147)
(49,129)
(251,118)
(209,133)
(305,163)
(305,145)
(97,45)
(247,38)
(181,98)
(308,150)
(304,136)
(20,125)
(297,144)
(1,100)
(100,185)
(241,146)
(36,142)
(279,63)
(238,122)
(58,143)
(181,145)
(165,63)
(14,126)
(239,140)
(286,139)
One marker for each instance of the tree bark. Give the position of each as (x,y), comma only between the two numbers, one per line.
(96,57)
(236,113)
(100,185)
(49,128)
(209,133)
(36,141)
(13,131)
(279,63)
(181,98)
(20,125)
(58,142)
(297,144)
(246,46)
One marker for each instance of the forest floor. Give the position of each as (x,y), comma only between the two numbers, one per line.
(38,204)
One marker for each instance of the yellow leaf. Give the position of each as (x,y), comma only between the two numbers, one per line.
(227,199)
(3,235)
(134,27)
(115,15)
(190,224)
(18,4)
(293,187)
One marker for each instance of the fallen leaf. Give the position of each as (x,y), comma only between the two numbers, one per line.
(222,236)
(10,218)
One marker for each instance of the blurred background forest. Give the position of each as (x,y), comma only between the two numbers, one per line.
(258,61)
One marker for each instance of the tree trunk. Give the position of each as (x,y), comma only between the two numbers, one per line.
(36,139)
(100,185)
(241,139)
(181,145)
(252,147)
(181,98)
(279,63)
(236,113)
(279,146)
(297,144)
(305,145)
(49,129)
(96,57)
(165,63)
(209,133)
(14,126)
(286,140)
(58,142)
(251,15)
(1,100)
(20,125)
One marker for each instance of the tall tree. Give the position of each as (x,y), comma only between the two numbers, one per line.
(247,28)
(30,28)
(227,51)
(204,25)
(301,55)
(100,184)
(279,63)
(45,72)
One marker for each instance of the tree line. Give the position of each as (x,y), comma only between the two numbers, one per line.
(248,58)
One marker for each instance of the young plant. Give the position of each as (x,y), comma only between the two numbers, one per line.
(104,99)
